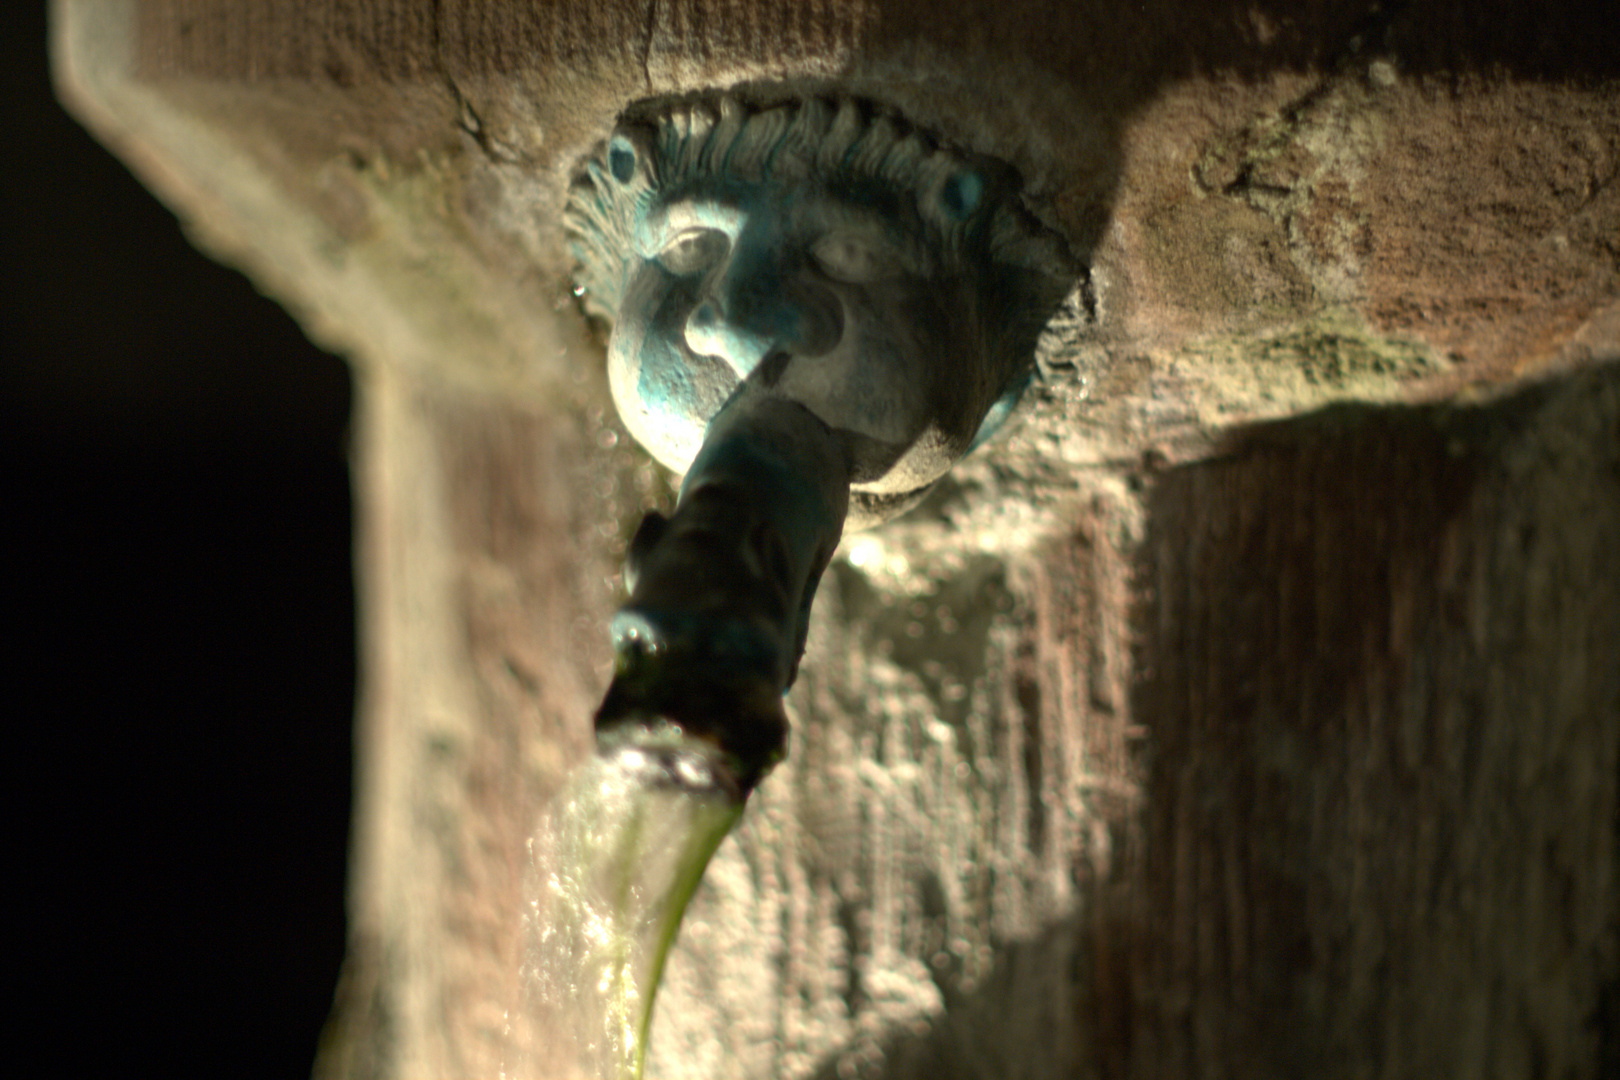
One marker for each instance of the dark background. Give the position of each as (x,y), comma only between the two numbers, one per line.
(181,646)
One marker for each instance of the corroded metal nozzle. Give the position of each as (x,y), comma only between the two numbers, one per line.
(720,596)
(817,309)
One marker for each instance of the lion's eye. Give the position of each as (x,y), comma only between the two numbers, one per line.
(854,259)
(693,252)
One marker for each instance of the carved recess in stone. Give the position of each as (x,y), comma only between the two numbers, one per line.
(822,251)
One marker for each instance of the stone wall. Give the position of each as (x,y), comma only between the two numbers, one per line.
(1251,707)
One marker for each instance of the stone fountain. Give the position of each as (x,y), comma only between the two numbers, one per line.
(1249,705)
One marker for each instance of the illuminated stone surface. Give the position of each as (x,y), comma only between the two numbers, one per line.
(1249,706)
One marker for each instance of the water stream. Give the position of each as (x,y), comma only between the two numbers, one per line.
(615,863)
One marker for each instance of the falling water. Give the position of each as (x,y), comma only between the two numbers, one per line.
(615,863)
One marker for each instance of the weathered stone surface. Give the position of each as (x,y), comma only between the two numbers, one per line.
(1231,170)
(1190,729)
(1383,706)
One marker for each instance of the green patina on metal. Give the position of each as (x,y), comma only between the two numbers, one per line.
(816,310)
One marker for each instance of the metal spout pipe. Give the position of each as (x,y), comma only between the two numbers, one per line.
(720,591)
